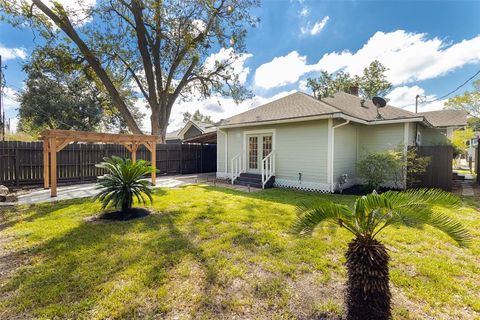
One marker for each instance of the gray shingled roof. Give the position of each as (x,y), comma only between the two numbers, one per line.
(205,127)
(446,118)
(301,105)
(352,106)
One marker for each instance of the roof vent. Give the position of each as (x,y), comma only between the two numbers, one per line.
(362,103)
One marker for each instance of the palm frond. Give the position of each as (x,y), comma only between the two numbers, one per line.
(451,227)
(310,216)
(122,182)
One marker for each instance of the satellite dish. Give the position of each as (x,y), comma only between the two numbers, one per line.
(379,102)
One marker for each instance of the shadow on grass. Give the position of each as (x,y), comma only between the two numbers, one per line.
(284,196)
(71,273)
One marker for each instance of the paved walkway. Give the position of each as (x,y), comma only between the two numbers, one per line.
(89,189)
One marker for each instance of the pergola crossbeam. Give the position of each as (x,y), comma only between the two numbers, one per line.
(56,140)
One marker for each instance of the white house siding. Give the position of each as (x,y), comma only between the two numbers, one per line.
(300,147)
(376,138)
(345,153)
(220,153)
(432,137)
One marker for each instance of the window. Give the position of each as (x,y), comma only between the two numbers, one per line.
(253,152)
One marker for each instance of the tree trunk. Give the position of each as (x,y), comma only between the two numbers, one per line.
(368,293)
(159,126)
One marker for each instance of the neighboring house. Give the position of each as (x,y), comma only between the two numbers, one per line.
(309,144)
(447,120)
(193,131)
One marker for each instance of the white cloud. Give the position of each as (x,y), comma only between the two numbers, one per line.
(316,28)
(10,102)
(12,53)
(409,56)
(78,10)
(404,97)
(226,107)
(237,67)
(281,70)
(304,12)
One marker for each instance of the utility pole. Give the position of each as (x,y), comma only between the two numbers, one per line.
(416,103)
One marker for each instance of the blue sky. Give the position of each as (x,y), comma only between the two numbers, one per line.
(430,47)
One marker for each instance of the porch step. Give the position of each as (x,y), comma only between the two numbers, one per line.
(253,180)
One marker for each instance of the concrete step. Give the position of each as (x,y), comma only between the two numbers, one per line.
(254,180)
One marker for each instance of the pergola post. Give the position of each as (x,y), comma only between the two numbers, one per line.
(52,142)
(46,172)
(56,140)
(134,152)
(153,152)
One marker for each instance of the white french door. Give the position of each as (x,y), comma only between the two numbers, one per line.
(258,147)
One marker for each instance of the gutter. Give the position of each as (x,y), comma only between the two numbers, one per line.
(324,117)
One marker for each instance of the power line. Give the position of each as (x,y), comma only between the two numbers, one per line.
(446,95)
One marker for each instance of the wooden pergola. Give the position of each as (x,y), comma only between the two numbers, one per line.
(55,140)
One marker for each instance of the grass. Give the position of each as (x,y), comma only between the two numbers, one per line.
(216,253)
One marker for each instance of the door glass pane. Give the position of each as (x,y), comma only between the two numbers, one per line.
(267,145)
(253,152)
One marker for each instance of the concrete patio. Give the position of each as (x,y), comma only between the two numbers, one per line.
(89,189)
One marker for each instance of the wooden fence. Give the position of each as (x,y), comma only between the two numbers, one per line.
(439,170)
(21,163)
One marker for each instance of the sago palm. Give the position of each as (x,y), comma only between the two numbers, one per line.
(123,182)
(367,293)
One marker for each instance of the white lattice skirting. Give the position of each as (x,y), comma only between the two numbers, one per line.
(302,185)
(223,175)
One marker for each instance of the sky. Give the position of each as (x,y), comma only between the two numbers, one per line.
(429,47)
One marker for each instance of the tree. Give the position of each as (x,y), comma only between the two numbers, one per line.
(372,83)
(164,47)
(196,116)
(469,101)
(368,293)
(460,138)
(61,93)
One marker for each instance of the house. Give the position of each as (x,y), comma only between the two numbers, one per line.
(300,142)
(447,121)
(194,132)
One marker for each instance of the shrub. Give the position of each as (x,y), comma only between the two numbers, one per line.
(379,167)
(122,182)
(416,167)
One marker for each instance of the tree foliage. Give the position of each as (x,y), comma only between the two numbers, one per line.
(460,138)
(164,47)
(196,116)
(61,93)
(469,101)
(372,83)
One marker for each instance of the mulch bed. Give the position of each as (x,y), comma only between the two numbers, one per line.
(134,213)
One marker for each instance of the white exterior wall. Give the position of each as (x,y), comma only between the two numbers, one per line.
(303,147)
(345,154)
(300,147)
(378,138)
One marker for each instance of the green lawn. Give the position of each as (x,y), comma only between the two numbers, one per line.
(215,253)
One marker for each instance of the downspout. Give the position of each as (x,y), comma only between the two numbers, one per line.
(332,154)
(225,134)
(226,153)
